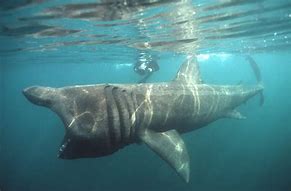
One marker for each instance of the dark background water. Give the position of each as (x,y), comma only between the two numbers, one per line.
(251,154)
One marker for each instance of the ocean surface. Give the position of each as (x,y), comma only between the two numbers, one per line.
(73,42)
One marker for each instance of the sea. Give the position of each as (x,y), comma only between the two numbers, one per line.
(78,42)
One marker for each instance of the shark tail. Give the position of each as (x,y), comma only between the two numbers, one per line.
(258,75)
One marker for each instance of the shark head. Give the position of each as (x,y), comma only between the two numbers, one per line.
(84,117)
(42,96)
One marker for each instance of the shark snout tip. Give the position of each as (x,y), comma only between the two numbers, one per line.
(31,92)
(38,95)
(28,91)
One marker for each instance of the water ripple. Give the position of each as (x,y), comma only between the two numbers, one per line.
(234,26)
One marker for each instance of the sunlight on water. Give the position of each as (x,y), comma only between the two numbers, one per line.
(155,26)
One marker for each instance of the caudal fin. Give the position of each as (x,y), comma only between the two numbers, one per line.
(258,75)
(255,68)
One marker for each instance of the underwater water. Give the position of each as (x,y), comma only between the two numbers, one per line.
(53,43)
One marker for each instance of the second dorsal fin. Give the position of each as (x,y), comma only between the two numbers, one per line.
(189,71)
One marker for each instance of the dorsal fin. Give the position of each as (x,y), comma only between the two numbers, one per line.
(189,71)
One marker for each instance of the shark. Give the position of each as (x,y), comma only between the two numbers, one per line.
(101,119)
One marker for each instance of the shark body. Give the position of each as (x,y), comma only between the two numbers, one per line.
(101,119)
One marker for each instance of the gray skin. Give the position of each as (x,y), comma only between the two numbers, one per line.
(100,119)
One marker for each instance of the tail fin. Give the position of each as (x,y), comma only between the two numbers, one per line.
(255,68)
(257,73)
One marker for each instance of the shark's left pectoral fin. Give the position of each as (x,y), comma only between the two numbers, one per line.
(234,114)
(171,148)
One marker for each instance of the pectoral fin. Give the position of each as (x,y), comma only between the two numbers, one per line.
(171,148)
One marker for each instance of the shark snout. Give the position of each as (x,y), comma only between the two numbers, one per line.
(38,95)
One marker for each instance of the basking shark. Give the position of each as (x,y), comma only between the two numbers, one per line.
(103,118)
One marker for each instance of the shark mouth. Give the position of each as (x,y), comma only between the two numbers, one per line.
(74,148)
